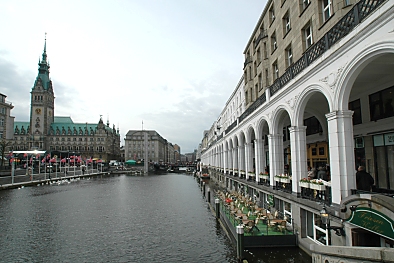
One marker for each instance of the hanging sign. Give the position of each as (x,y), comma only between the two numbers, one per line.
(270,200)
(373,221)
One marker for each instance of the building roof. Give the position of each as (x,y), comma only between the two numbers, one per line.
(60,123)
(60,119)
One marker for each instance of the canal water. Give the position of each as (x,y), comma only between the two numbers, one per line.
(158,218)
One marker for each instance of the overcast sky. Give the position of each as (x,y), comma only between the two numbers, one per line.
(171,64)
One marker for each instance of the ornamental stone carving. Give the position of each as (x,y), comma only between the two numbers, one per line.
(292,102)
(332,78)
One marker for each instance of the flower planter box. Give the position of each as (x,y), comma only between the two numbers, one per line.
(304,184)
(264,177)
(319,187)
(285,180)
(277,179)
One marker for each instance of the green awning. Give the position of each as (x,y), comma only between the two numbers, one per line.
(130,162)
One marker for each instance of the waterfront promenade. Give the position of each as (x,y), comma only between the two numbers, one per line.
(22,178)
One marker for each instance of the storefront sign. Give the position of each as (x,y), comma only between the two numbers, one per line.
(389,139)
(373,221)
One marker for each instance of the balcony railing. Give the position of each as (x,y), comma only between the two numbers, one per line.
(262,35)
(248,60)
(354,17)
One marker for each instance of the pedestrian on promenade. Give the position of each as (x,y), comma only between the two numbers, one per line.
(364,180)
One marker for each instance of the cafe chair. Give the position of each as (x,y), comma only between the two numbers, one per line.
(282,226)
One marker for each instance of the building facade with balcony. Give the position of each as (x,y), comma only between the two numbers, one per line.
(48,132)
(319,93)
(6,120)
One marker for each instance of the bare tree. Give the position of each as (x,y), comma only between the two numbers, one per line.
(3,145)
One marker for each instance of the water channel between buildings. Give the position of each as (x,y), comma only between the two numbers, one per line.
(156,218)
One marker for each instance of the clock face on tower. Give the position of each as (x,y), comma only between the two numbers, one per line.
(38,111)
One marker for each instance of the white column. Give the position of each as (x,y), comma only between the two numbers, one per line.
(225,161)
(263,159)
(341,152)
(239,160)
(235,157)
(242,157)
(257,153)
(275,143)
(230,159)
(298,156)
(247,159)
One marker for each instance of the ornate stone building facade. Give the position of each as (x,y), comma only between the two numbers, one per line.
(6,120)
(149,143)
(48,132)
(318,91)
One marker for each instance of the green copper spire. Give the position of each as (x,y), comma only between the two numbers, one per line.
(43,69)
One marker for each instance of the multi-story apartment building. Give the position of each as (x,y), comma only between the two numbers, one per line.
(48,132)
(170,153)
(177,153)
(137,142)
(6,120)
(319,92)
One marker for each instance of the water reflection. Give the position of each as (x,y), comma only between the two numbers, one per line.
(118,219)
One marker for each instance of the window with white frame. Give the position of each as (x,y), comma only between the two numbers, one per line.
(274,45)
(1,122)
(326,9)
(275,70)
(305,3)
(286,23)
(285,208)
(308,36)
(289,56)
(272,14)
(315,229)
